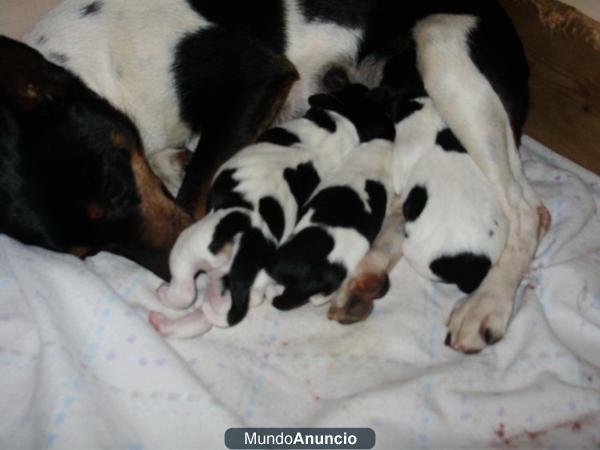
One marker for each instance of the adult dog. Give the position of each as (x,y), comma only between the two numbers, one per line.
(225,70)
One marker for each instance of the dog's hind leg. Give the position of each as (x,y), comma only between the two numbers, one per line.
(471,105)
(369,281)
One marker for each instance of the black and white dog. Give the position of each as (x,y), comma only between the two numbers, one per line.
(225,70)
(342,150)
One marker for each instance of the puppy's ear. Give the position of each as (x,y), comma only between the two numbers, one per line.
(324,101)
(380,95)
(27,79)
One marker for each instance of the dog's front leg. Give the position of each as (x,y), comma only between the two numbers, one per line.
(369,281)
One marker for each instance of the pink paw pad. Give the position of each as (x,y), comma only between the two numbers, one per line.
(159,321)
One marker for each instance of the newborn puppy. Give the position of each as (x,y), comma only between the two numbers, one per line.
(455,229)
(254,205)
(342,218)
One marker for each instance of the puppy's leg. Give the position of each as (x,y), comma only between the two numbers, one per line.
(471,107)
(190,255)
(189,325)
(354,300)
(218,301)
(231,88)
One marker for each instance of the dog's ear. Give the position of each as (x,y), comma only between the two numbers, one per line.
(27,79)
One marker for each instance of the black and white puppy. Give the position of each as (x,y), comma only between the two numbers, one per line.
(455,229)
(342,218)
(225,70)
(254,205)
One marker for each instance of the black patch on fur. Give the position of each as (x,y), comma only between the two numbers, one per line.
(366,109)
(401,110)
(223,194)
(341,206)
(232,224)
(253,254)
(263,20)
(91,9)
(279,136)
(401,75)
(353,13)
(225,284)
(303,180)
(498,53)
(301,265)
(335,78)
(229,88)
(272,213)
(321,119)
(466,270)
(449,142)
(415,203)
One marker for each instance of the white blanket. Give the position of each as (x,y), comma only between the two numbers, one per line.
(81,368)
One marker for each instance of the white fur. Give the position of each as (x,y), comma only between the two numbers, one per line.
(125,53)
(462,207)
(259,170)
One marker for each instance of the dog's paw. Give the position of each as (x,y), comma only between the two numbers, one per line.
(478,321)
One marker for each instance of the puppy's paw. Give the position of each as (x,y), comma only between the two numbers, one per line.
(186,326)
(354,301)
(176,297)
(478,321)
(160,322)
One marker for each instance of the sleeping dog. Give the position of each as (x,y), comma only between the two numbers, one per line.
(225,70)
(259,194)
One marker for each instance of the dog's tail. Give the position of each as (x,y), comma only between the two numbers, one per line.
(252,256)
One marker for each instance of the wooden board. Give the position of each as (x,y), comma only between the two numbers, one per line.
(563,49)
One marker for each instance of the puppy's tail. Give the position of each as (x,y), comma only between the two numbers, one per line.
(253,254)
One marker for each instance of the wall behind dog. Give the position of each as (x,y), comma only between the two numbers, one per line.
(18,16)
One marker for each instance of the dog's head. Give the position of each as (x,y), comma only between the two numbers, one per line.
(74,177)
(366,109)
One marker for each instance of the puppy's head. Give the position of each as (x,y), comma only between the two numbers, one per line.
(366,109)
(74,174)
(301,264)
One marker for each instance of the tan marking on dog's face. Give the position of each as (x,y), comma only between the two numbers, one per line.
(121,142)
(81,251)
(162,219)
